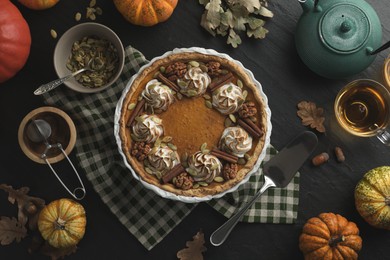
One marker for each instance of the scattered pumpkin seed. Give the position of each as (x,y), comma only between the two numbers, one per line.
(53,33)
(241,161)
(99,11)
(192,172)
(214,167)
(233,118)
(229,89)
(77,17)
(253,119)
(194,63)
(203,68)
(206,151)
(239,83)
(219,179)
(203,146)
(244,94)
(207,96)
(195,186)
(140,97)
(131,106)
(179,96)
(92,3)
(154,149)
(228,122)
(224,72)
(182,83)
(192,93)
(172,146)
(247,157)
(163,145)
(162,69)
(157,143)
(156,119)
(167,139)
(203,184)
(158,175)
(208,104)
(148,170)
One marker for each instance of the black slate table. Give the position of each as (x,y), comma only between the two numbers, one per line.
(286,81)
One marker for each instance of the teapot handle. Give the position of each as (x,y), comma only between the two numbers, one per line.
(382,48)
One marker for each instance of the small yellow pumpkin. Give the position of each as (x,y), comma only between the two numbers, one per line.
(62,223)
(39,4)
(146,12)
(372,197)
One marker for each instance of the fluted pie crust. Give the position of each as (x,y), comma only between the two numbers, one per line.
(191,123)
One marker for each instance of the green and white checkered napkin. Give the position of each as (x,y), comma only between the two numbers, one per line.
(146,215)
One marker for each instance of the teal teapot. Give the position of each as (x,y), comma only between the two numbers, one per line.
(338,38)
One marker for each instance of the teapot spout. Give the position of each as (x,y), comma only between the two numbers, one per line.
(307,5)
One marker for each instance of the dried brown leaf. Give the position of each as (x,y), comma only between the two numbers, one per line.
(194,248)
(57,253)
(25,203)
(311,115)
(10,230)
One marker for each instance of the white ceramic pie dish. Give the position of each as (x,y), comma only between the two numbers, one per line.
(170,195)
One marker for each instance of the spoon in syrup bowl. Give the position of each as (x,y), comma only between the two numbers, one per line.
(39,131)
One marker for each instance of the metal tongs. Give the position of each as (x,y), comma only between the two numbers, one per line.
(40,132)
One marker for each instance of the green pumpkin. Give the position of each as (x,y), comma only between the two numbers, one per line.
(372,197)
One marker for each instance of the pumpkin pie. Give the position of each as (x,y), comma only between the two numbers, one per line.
(193,124)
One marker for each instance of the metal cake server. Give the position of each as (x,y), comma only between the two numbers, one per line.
(278,172)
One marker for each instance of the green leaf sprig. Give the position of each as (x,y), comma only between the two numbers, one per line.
(230,17)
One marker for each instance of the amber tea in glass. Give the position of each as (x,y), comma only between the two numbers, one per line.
(386,72)
(363,108)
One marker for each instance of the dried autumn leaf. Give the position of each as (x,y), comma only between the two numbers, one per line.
(311,115)
(27,206)
(57,253)
(10,230)
(194,248)
(230,17)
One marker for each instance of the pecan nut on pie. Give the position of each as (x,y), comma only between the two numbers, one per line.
(193,124)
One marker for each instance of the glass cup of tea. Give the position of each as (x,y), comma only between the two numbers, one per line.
(386,71)
(362,108)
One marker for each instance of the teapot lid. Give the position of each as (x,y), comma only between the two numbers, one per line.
(344,28)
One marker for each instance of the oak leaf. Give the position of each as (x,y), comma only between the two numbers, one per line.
(27,206)
(311,115)
(194,248)
(11,229)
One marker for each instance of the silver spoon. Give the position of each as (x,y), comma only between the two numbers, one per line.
(55,83)
(39,131)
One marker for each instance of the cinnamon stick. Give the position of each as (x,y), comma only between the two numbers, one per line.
(254,126)
(137,110)
(221,81)
(249,129)
(175,171)
(167,82)
(224,156)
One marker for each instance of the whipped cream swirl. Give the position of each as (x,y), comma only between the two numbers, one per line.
(194,83)
(147,128)
(235,140)
(204,167)
(158,96)
(162,160)
(228,98)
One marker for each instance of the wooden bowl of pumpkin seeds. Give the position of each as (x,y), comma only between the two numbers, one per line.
(91,43)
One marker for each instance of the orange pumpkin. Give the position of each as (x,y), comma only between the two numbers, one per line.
(329,237)
(15,40)
(39,4)
(146,12)
(62,223)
